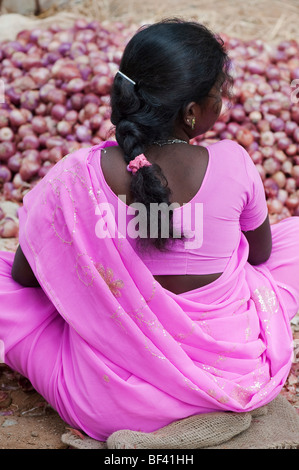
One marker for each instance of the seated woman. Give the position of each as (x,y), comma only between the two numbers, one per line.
(127,317)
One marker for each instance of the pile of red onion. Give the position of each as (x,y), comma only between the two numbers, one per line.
(264,117)
(57,84)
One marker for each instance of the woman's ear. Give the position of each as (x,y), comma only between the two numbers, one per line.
(192,114)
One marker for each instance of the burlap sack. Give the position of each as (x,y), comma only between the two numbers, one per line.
(277,429)
(194,432)
(275,426)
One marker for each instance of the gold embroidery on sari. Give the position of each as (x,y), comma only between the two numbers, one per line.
(266,301)
(84,271)
(116,315)
(159,356)
(190,385)
(241,395)
(59,225)
(107,275)
(181,336)
(223,399)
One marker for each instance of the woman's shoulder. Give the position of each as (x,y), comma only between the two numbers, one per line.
(229,152)
(226,144)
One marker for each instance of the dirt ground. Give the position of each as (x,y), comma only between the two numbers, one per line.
(26,420)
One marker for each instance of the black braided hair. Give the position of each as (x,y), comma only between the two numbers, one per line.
(173,63)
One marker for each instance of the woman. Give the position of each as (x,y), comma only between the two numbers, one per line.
(120,323)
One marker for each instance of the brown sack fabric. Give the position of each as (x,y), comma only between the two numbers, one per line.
(275,426)
(194,432)
(277,429)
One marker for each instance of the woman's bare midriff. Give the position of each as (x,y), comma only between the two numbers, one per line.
(184,283)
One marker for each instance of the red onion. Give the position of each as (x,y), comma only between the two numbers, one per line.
(244,137)
(30,99)
(291,185)
(58,111)
(83,133)
(267,151)
(255,116)
(4,119)
(256,67)
(274,206)
(8,228)
(274,107)
(277,124)
(90,109)
(287,167)
(261,171)
(64,128)
(267,138)
(7,149)
(233,128)
(30,141)
(45,168)
(5,174)
(280,178)
(296,134)
(6,134)
(55,154)
(271,166)
(16,118)
(271,188)
(14,162)
(40,75)
(76,85)
(291,150)
(295,114)
(238,114)
(283,143)
(71,116)
(282,195)
(95,122)
(290,127)
(76,100)
(279,155)
(100,84)
(39,124)
(54,141)
(292,202)
(56,96)
(18,183)
(29,166)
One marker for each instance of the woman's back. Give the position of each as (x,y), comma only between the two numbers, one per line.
(220,185)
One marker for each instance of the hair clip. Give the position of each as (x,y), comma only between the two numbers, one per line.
(127,78)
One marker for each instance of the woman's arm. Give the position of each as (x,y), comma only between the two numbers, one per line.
(21,271)
(260,243)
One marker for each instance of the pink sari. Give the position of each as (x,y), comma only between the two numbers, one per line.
(107,346)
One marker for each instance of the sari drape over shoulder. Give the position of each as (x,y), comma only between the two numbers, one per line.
(121,352)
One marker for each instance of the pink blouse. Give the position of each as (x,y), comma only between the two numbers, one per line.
(230,199)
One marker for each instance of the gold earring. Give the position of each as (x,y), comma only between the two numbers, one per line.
(193,123)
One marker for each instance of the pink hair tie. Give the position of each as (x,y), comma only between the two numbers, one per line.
(137,163)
